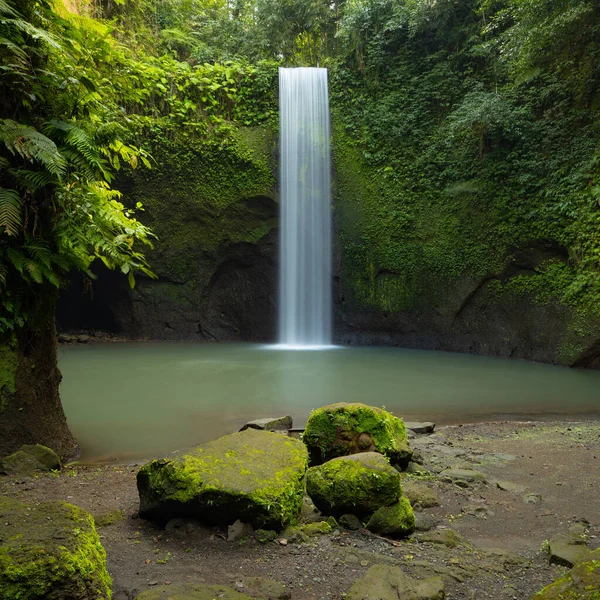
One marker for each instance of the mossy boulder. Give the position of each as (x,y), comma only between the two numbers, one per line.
(386,582)
(192,591)
(342,429)
(358,484)
(254,476)
(582,582)
(50,551)
(29,458)
(397,520)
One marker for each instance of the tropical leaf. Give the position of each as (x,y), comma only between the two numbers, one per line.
(10,211)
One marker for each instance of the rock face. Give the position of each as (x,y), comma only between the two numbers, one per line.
(29,458)
(582,582)
(214,211)
(384,582)
(50,551)
(342,429)
(397,520)
(254,476)
(270,424)
(357,484)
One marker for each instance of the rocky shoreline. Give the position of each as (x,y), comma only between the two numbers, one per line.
(501,511)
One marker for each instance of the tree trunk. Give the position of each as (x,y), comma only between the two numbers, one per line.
(30,408)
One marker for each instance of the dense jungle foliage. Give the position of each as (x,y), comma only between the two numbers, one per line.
(485,107)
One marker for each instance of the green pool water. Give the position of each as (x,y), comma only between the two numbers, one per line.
(137,400)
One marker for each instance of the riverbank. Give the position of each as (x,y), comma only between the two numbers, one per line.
(487,535)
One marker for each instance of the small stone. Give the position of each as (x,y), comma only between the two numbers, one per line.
(567,550)
(445,537)
(508,486)
(463,475)
(351,522)
(270,424)
(282,542)
(532,498)
(422,428)
(425,522)
(238,530)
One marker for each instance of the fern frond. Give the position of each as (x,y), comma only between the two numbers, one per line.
(7,9)
(10,211)
(30,144)
(33,32)
(33,180)
(16,258)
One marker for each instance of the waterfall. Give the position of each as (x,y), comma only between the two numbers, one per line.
(305,243)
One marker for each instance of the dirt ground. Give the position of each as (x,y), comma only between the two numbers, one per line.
(500,551)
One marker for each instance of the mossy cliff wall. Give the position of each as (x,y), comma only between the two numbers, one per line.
(434,271)
(213,209)
(413,267)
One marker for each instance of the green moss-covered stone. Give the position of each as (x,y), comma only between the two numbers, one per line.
(254,476)
(29,458)
(397,520)
(582,582)
(342,429)
(50,551)
(358,484)
(192,591)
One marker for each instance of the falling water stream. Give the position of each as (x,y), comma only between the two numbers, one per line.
(305,246)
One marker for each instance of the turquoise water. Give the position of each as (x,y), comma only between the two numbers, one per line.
(140,400)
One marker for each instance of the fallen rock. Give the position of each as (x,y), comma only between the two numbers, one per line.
(420,493)
(357,484)
(238,531)
(581,582)
(385,582)
(445,537)
(463,475)
(50,550)
(425,522)
(420,428)
(567,549)
(270,424)
(258,587)
(532,498)
(343,429)
(192,591)
(350,522)
(254,476)
(397,520)
(508,486)
(29,458)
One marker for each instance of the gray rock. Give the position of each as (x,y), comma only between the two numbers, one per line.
(29,458)
(425,522)
(270,424)
(238,531)
(385,582)
(420,493)
(508,486)
(425,427)
(350,521)
(191,591)
(532,498)
(567,549)
(444,537)
(481,512)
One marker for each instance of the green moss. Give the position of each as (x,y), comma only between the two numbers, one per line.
(8,372)
(50,551)
(256,476)
(582,582)
(357,484)
(345,428)
(397,520)
(319,528)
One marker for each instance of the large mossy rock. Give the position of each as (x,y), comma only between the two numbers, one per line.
(29,458)
(357,484)
(254,476)
(582,582)
(50,551)
(385,582)
(192,591)
(342,429)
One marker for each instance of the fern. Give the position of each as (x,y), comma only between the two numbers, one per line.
(10,211)
(30,144)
